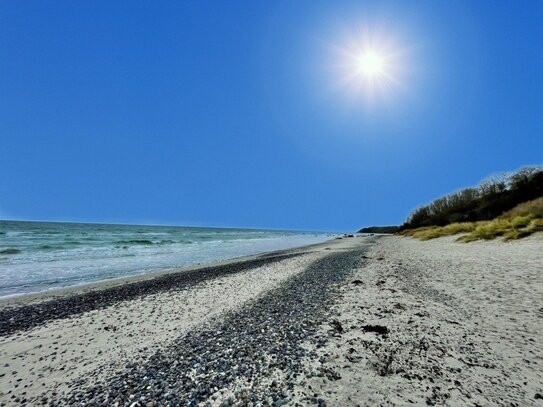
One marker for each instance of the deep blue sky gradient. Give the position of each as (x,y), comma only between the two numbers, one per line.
(223,113)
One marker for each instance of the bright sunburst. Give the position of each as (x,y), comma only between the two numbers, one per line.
(369,64)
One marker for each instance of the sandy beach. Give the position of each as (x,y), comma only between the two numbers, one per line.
(354,321)
(269,204)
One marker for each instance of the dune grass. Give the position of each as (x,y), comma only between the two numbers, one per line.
(521,221)
(510,229)
(533,207)
(432,232)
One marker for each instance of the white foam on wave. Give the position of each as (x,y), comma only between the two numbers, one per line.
(35,269)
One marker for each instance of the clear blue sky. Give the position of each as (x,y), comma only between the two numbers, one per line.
(228,113)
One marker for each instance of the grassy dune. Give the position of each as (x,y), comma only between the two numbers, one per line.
(521,221)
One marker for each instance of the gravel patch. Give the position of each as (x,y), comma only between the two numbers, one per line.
(232,361)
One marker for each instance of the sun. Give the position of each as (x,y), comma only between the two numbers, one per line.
(371,64)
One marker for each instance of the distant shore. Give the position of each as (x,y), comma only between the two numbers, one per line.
(357,320)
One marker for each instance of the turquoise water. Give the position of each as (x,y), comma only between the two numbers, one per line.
(39,256)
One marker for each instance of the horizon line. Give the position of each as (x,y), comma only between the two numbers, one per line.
(170,225)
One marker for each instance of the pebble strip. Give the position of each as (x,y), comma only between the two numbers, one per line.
(20,318)
(248,346)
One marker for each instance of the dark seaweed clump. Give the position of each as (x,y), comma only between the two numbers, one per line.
(135,241)
(10,250)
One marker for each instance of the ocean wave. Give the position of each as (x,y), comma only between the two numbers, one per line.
(145,242)
(82,254)
(134,241)
(51,247)
(58,246)
(10,250)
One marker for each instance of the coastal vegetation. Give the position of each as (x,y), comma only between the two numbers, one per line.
(379,229)
(508,206)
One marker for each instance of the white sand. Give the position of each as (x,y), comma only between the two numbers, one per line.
(47,358)
(465,325)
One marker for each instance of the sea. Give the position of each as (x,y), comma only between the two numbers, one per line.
(41,256)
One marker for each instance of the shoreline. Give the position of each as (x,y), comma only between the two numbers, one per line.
(63,347)
(76,289)
(358,321)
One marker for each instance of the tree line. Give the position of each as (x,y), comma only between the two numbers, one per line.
(493,197)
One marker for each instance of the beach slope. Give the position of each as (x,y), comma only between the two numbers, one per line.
(354,321)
